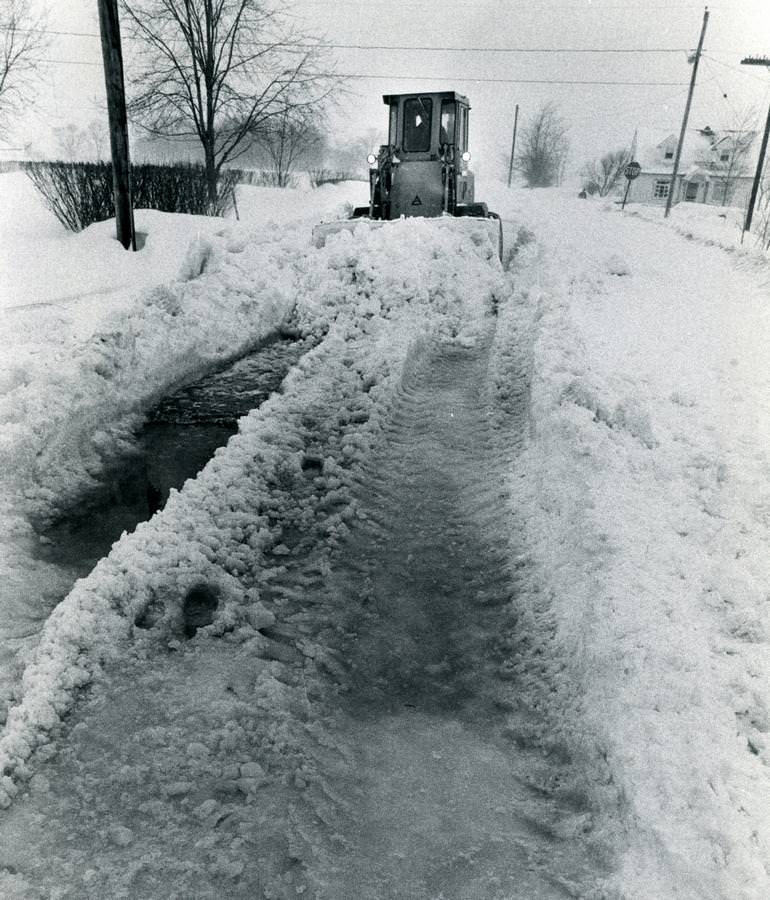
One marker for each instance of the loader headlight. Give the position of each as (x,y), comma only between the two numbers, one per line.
(371,159)
(466,156)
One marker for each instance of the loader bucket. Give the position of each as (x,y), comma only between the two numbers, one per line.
(326,229)
(478,228)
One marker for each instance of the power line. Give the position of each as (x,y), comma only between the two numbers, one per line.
(317,45)
(69,62)
(365,75)
(88,34)
(511,80)
(615,50)
(722,91)
(735,68)
(578,5)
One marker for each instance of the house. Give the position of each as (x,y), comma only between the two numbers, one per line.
(715,168)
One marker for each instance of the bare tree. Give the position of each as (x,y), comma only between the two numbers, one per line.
(731,153)
(543,147)
(601,175)
(350,156)
(219,71)
(70,141)
(287,138)
(97,136)
(88,143)
(22,41)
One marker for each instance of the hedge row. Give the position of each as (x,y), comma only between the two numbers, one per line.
(80,194)
(319,177)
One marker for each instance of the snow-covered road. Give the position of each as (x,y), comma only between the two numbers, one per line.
(406,766)
(449,798)
(486,583)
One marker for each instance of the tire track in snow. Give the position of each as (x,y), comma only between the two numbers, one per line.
(365,745)
(441,794)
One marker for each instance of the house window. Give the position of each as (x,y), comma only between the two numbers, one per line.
(724,157)
(660,190)
(722,192)
(669,154)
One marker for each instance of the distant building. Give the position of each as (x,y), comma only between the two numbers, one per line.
(715,168)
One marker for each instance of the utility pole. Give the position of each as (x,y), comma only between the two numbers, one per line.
(678,158)
(756,61)
(112,55)
(513,144)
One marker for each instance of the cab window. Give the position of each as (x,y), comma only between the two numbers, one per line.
(417,117)
(462,129)
(393,123)
(447,122)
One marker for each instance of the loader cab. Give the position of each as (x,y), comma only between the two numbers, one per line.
(421,124)
(423,169)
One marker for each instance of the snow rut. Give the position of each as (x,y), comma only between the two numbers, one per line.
(365,738)
(429,568)
(437,794)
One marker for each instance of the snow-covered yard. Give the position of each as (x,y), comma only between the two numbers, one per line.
(604,414)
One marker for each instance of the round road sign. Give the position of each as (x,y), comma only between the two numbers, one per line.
(632,170)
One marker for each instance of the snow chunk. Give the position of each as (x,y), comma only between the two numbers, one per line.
(617,265)
(120,835)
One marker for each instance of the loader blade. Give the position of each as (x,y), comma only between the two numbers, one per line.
(478,229)
(326,229)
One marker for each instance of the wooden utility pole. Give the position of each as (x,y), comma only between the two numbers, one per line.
(756,61)
(112,55)
(678,158)
(513,144)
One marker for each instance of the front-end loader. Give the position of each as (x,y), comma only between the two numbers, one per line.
(423,169)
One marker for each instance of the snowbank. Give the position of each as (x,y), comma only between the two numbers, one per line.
(42,264)
(378,295)
(94,335)
(58,387)
(645,563)
(718,226)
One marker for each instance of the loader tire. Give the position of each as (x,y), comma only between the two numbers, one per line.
(475,210)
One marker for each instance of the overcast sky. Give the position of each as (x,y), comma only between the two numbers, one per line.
(499,71)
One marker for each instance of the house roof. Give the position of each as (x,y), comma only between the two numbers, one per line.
(650,154)
(699,148)
(698,173)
